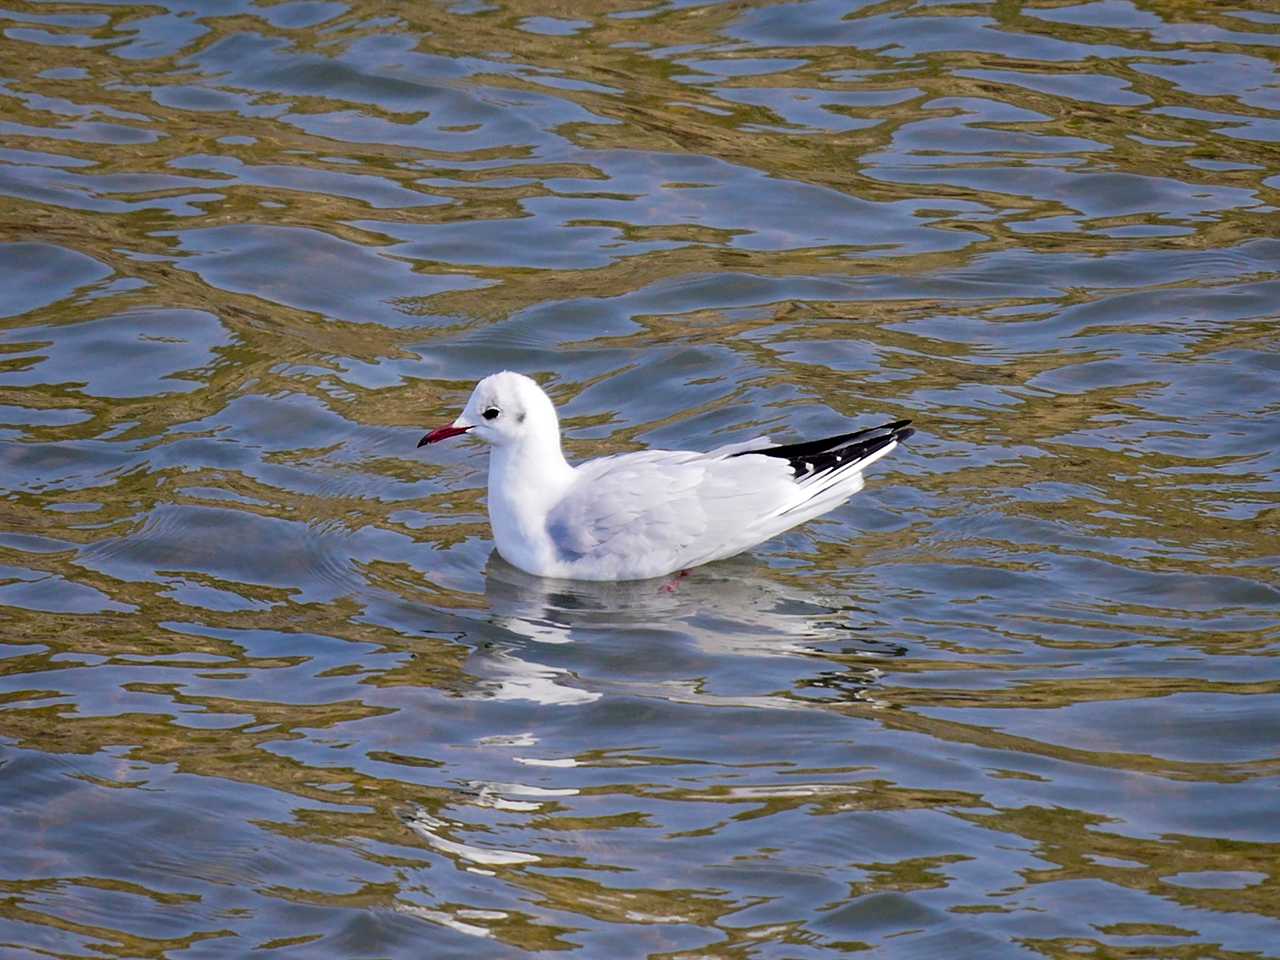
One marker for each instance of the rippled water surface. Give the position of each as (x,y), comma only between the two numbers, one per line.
(266,691)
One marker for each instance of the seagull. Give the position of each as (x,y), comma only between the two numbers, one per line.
(653,513)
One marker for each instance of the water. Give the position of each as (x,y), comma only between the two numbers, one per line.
(265,691)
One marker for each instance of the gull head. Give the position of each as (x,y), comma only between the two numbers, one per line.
(505,409)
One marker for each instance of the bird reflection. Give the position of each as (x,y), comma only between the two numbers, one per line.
(726,610)
(724,606)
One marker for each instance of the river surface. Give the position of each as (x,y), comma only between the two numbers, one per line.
(266,691)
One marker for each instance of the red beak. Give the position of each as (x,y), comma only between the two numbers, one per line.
(444,433)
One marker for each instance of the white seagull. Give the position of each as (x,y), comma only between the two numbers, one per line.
(649,514)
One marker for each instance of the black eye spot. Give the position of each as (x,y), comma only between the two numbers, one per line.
(491,413)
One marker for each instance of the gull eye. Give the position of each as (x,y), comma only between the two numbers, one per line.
(491,413)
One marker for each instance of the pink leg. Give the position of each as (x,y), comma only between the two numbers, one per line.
(674,584)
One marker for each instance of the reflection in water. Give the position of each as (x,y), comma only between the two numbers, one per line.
(738,592)
(260,692)
(728,609)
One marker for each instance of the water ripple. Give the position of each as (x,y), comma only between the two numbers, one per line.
(263,685)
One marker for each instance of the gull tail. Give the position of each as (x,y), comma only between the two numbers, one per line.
(813,458)
(829,471)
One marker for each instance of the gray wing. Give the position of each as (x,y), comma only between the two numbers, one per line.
(644,514)
(741,446)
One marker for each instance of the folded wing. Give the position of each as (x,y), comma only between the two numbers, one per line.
(644,514)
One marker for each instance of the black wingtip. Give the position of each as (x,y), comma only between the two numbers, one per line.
(833,453)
